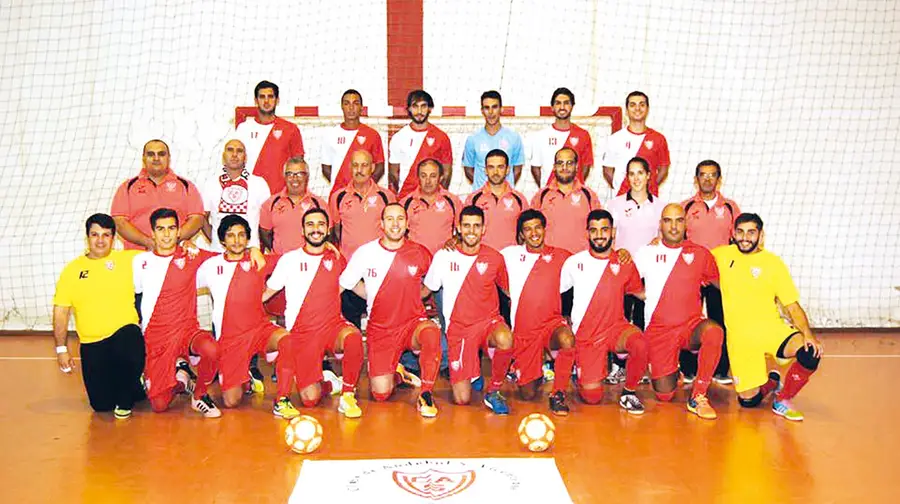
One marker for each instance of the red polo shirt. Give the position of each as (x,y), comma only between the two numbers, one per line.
(283,217)
(500,214)
(566,214)
(359,214)
(710,227)
(139,197)
(432,224)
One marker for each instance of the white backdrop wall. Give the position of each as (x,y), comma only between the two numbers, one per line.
(797,99)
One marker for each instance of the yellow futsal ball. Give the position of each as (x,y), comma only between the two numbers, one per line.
(303,434)
(537,432)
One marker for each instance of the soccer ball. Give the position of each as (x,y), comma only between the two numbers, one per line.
(537,432)
(303,434)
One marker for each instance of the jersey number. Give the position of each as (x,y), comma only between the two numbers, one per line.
(660,258)
(303,267)
(254,134)
(220,270)
(454,266)
(341,140)
(371,273)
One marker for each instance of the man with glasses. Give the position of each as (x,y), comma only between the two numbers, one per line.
(281,216)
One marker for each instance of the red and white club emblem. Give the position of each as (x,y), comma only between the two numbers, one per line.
(508,203)
(276,134)
(245,265)
(235,195)
(434,485)
(688,257)
(110,265)
(412,270)
(573,141)
(360,139)
(614,268)
(481,267)
(649,144)
(170,186)
(372,200)
(547,258)
(439,205)
(429,141)
(576,198)
(179,263)
(328,263)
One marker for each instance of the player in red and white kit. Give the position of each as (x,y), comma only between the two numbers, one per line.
(309,277)
(636,140)
(600,280)
(341,141)
(269,139)
(241,323)
(562,133)
(417,141)
(166,280)
(537,321)
(390,270)
(674,271)
(470,275)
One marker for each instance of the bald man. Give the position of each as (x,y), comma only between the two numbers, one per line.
(674,271)
(233,191)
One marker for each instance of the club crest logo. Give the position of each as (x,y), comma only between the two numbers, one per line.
(573,141)
(305,206)
(720,212)
(372,200)
(110,265)
(328,263)
(688,257)
(276,134)
(755,271)
(547,258)
(245,265)
(235,195)
(179,263)
(508,203)
(576,198)
(429,141)
(360,139)
(170,186)
(649,144)
(481,267)
(614,268)
(434,485)
(412,270)
(504,144)
(439,206)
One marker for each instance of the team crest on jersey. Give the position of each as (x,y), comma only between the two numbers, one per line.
(614,268)
(412,270)
(576,198)
(110,265)
(429,141)
(372,200)
(179,263)
(508,203)
(481,267)
(547,258)
(573,141)
(360,139)
(328,263)
(455,365)
(276,134)
(649,144)
(720,212)
(245,265)
(628,212)
(755,272)
(688,257)
(305,206)
(439,205)
(170,186)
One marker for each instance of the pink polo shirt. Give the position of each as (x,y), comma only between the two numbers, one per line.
(284,218)
(566,214)
(431,225)
(710,227)
(636,225)
(139,197)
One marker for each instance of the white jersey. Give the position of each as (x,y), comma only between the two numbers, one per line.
(247,203)
(217,275)
(254,136)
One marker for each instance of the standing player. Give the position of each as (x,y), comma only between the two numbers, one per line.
(673,272)
(281,216)
(752,280)
(537,322)
(636,140)
(415,142)
(432,209)
(155,187)
(340,142)
(390,270)
(562,133)
(600,281)
(243,328)
(566,202)
(233,191)
(492,137)
(270,140)
(309,277)
(470,276)
(500,203)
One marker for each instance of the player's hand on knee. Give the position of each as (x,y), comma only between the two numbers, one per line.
(813,343)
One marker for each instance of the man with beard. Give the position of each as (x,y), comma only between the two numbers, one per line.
(636,140)
(754,282)
(674,271)
(470,275)
(342,141)
(498,200)
(390,270)
(415,142)
(562,133)
(600,280)
(309,277)
(269,139)
(490,138)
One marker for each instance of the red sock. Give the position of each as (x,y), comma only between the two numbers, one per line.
(708,359)
(206,347)
(796,378)
(565,359)
(284,365)
(499,366)
(429,356)
(636,364)
(768,387)
(353,360)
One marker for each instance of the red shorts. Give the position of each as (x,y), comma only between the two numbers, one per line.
(591,355)
(311,347)
(276,304)
(463,344)
(235,352)
(665,343)
(385,346)
(528,350)
(159,370)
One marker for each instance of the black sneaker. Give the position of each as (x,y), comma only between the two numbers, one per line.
(631,403)
(558,403)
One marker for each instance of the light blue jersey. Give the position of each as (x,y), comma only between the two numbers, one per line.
(481,142)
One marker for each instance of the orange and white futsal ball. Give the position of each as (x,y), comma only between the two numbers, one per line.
(537,432)
(303,434)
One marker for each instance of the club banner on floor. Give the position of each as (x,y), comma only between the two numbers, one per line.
(401,481)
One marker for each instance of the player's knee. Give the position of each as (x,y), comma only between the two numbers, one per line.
(665,396)
(231,401)
(160,403)
(751,402)
(591,396)
(462,398)
(807,358)
(712,335)
(529,391)
(381,396)
(430,338)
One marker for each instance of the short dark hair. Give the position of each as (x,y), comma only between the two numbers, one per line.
(708,162)
(562,91)
(313,211)
(637,93)
(566,149)
(749,217)
(163,213)
(497,153)
(599,215)
(393,204)
(265,85)
(528,215)
(471,210)
(144,148)
(430,161)
(418,95)
(643,162)
(350,92)
(228,222)
(101,219)
(491,94)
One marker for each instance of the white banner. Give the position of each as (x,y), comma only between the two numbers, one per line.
(401,481)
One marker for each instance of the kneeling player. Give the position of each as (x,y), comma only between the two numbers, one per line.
(309,276)
(751,280)
(600,281)
(239,318)
(674,271)
(534,273)
(388,272)
(470,275)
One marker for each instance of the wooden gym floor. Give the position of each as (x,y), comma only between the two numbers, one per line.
(54,449)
